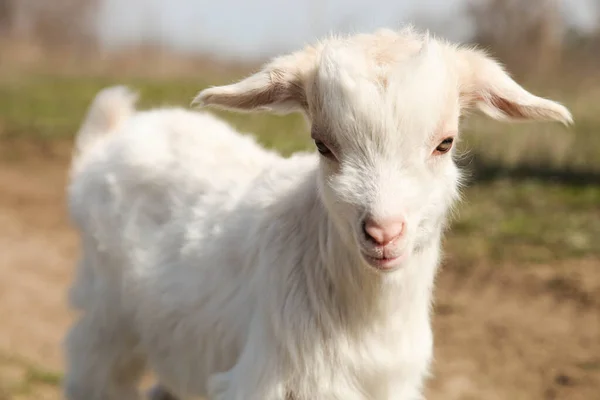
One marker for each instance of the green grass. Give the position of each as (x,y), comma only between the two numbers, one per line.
(30,376)
(521,220)
(529,221)
(537,145)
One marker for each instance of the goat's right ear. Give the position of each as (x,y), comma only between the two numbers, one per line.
(279,87)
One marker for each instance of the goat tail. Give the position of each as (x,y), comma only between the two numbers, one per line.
(108,110)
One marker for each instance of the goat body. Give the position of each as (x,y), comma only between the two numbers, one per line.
(234,273)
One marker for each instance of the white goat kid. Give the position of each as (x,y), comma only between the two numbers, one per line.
(234,273)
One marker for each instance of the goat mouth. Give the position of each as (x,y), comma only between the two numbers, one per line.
(385,263)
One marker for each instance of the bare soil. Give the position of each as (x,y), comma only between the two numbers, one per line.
(502,331)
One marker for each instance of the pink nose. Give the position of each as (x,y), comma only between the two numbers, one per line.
(385,231)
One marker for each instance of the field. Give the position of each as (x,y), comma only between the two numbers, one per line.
(517,313)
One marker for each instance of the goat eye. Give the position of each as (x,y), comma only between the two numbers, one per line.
(322,148)
(444,146)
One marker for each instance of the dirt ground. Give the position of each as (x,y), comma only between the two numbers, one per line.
(502,332)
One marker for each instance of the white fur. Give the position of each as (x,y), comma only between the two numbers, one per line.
(234,273)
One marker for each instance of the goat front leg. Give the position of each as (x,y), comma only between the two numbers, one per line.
(256,376)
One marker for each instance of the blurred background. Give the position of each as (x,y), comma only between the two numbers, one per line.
(517,313)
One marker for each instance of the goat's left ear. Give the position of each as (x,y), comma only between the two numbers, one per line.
(486,85)
(279,87)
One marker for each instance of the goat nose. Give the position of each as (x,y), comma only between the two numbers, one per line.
(385,231)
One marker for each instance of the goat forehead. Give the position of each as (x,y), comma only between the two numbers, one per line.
(397,105)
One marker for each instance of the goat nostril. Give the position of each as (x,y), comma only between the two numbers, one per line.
(383,233)
(366,232)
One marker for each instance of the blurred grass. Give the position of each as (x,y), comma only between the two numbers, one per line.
(51,107)
(527,221)
(530,219)
(27,379)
